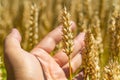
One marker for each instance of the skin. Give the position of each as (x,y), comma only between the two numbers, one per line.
(38,64)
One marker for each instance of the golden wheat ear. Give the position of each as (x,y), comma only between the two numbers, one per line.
(112,69)
(33,27)
(91,58)
(67,37)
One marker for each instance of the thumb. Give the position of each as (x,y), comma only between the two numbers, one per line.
(12,43)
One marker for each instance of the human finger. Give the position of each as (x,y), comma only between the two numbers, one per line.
(50,41)
(75,64)
(61,57)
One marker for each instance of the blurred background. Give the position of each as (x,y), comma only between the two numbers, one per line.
(86,14)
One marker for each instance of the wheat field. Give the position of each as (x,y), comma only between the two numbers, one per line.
(99,19)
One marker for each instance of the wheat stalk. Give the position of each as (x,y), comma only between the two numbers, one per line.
(1,63)
(67,37)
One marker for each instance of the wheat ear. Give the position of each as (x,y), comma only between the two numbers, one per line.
(114,30)
(67,37)
(97,31)
(112,71)
(33,28)
(91,58)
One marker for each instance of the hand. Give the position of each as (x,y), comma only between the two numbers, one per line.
(38,64)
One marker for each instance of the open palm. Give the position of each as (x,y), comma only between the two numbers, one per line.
(38,64)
